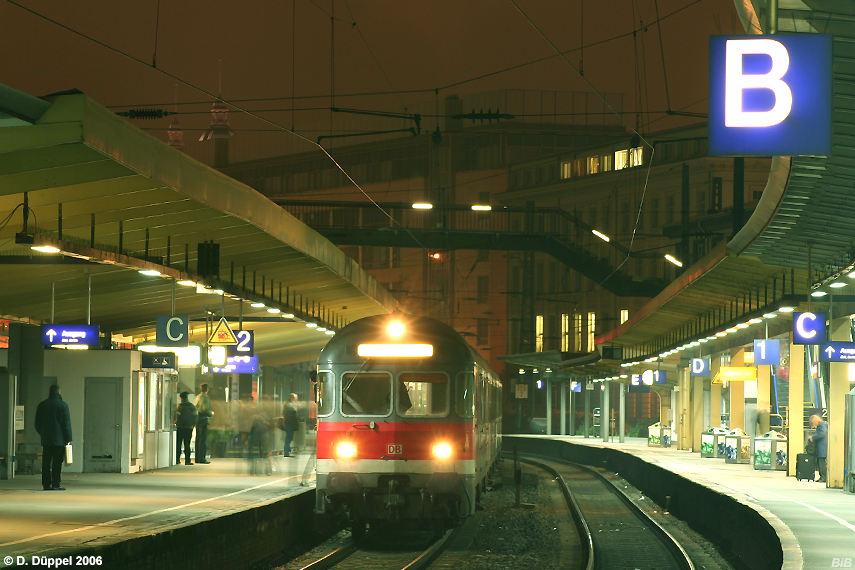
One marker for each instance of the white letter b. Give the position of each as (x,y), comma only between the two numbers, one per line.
(735,82)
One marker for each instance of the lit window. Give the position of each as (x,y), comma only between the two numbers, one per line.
(577,332)
(621,159)
(635,156)
(565,332)
(566,169)
(538,333)
(593,164)
(605,163)
(624,315)
(592,327)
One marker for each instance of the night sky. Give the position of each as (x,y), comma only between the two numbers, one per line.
(409,48)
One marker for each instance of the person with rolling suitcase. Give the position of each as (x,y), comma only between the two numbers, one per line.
(820,440)
(806,463)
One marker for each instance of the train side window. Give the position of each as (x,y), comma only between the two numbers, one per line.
(324,394)
(426,394)
(463,394)
(366,393)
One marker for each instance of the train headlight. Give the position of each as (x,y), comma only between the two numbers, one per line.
(345,450)
(442,451)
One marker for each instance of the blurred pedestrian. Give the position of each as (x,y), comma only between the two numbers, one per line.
(53,422)
(185,421)
(203,408)
(289,413)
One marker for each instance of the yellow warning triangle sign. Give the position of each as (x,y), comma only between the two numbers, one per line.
(222,335)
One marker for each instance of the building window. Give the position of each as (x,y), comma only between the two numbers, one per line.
(538,333)
(621,159)
(483,332)
(577,332)
(566,169)
(565,332)
(624,315)
(605,163)
(593,164)
(636,156)
(592,327)
(483,288)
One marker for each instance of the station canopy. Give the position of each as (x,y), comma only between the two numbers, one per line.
(114,200)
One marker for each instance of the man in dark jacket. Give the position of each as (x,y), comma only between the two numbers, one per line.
(185,421)
(289,412)
(820,438)
(53,422)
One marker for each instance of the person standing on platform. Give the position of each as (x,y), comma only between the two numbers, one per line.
(203,408)
(53,422)
(820,438)
(289,413)
(185,421)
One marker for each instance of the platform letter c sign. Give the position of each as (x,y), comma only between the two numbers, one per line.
(808,328)
(736,82)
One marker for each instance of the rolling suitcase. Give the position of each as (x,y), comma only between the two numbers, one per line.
(805,466)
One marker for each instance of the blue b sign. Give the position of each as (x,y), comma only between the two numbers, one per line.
(808,328)
(767,351)
(770,95)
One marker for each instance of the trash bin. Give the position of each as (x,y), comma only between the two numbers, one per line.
(712,442)
(659,435)
(737,447)
(770,451)
(596,423)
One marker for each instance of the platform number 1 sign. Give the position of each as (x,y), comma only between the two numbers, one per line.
(767,351)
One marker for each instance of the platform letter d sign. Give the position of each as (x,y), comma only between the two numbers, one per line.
(736,82)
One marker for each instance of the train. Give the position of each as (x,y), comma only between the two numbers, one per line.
(409,424)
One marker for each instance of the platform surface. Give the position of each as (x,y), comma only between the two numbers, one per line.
(103,508)
(821,520)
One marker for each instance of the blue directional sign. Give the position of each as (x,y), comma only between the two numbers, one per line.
(837,351)
(70,334)
(245,345)
(767,351)
(173,330)
(700,367)
(808,328)
(575,386)
(770,95)
(238,365)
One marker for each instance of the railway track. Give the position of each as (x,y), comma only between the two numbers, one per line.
(614,531)
(362,556)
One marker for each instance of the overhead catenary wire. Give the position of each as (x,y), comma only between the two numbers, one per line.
(215,97)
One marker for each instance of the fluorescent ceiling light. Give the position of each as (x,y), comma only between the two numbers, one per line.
(837,285)
(721,334)
(45,248)
(186,283)
(218,291)
(150,272)
(673,260)
(311,325)
(329,332)
(481,207)
(257,305)
(755,321)
(274,310)
(742,326)
(731,330)
(601,235)
(321,329)
(705,339)
(786,309)
(422,206)
(818,294)
(287,315)
(770,316)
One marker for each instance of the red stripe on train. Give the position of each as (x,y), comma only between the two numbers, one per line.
(396,440)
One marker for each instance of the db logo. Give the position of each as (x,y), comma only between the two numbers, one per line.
(841,563)
(394,449)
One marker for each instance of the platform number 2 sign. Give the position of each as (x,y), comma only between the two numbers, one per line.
(245,345)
